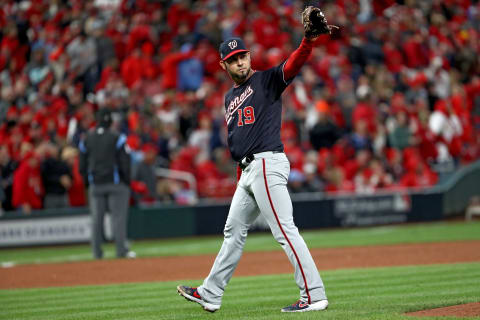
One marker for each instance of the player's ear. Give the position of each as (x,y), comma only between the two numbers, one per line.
(222,64)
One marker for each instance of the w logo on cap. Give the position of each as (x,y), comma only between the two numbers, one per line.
(230,47)
(232,44)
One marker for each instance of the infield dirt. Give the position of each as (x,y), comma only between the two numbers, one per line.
(461,311)
(252,263)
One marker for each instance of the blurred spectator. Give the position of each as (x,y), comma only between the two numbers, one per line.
(380,178)
(76,192)
(56,178)
(13,46)
(364,111)
(144,172)
(395,163)
(105,47)
(357,165)
(419,177)
(82,52)
(210,180)
(312,182)
(360,137)
(333,174)
(380,140)
(296,181)
(201,136)
(27,188)
(346,99)
(372,178)
(136,67)
(324,133)
(7,169)
(222,159)
(447,128)
(190,72)
(169,67)
(37,69)
(401,137)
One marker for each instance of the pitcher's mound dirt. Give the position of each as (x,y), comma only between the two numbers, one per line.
(461,311)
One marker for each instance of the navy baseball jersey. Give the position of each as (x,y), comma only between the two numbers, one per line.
(253,111)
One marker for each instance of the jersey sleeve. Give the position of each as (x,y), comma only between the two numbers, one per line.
(274,81)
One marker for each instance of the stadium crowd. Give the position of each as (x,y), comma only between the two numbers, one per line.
(391,100)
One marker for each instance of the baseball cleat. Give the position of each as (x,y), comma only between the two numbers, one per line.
(191,294)
(302,306)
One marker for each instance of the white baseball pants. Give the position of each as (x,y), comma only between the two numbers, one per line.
(262,188)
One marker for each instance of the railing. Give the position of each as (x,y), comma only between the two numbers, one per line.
(179,175)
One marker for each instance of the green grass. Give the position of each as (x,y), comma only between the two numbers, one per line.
(414,233)
(376,293)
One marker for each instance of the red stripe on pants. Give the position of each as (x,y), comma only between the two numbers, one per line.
(284,234)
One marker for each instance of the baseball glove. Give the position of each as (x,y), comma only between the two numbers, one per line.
(315,23)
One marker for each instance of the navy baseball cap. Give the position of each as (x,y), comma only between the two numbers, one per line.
(230,47)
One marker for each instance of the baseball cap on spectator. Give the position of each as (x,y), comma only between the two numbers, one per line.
(230,47)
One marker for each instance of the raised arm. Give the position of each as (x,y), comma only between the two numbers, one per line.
(297,59)
(315,24)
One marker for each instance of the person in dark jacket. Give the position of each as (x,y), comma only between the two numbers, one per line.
(7,170)
(324,133)
(56,178)
(145,173)
(105,166)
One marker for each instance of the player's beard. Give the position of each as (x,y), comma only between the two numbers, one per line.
(240,77)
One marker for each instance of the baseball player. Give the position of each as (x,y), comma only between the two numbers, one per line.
(253,110)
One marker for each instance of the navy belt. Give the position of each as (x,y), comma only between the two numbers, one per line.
(250,157)
(246,161)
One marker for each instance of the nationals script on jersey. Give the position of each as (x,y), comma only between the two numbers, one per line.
(236,103)
(253,112)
